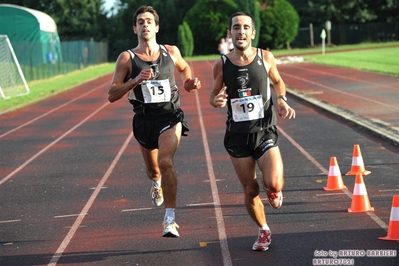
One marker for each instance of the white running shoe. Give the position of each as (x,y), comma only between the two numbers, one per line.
(156,194)
(275,199)
(263,241)
(170,228)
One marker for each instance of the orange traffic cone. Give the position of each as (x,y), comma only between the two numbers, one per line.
(360,199)
(393,227)
(357,163)
(334,181)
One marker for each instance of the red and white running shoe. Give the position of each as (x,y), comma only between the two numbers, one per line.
(275,199)
(263,241)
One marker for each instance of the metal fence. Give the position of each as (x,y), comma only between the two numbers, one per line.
(73,55)
(349,34)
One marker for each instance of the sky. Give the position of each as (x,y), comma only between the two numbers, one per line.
(108,4)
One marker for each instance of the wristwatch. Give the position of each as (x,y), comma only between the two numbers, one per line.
(282,97)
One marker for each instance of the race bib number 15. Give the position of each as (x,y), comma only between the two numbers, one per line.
(156,91)
(247,108)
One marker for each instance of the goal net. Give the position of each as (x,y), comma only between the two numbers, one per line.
(12,80)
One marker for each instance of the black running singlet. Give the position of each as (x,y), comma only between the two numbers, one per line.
(159,95)
(250,106)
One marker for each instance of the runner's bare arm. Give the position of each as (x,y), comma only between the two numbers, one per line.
(118,88)
(283,108)
(189,83)
(218,97)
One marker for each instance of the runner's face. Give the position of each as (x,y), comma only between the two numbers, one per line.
(242,32)
(145,26)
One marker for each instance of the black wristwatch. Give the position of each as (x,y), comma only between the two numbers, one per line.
(282,97)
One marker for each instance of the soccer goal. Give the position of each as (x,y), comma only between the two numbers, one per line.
(12,80)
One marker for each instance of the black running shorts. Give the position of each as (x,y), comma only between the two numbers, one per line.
(253,144)
(146,129)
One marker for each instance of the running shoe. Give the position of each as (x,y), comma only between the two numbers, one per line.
(156,194)
(263,241)
(170,228)
(275,199)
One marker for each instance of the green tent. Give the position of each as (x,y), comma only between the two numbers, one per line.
(32,33)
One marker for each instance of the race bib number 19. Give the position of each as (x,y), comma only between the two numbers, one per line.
(247,108)
(156,91)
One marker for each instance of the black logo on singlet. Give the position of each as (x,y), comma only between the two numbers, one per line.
(244,91)
(243,80)
(155,70)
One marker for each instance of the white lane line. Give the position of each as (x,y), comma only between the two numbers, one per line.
(330,194)
(340,91)
(57,255)
(372,215)
(201,204)
(51,111)
(9,221)
(341,76)
(388,190)
(68,215)
(139,209)
(215,193)
(217,180)
(50,145)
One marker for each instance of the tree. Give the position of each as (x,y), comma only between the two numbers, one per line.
(208,27)
(280,23)
(346,11)
(185,40)
(75,19)
(251,7)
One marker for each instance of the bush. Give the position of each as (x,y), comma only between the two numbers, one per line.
(279,26)
(211,25)
(185,39)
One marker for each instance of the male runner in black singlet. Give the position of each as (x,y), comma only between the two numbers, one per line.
(241,80)
(146,74)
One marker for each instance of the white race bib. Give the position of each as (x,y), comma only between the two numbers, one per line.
(156,91)
(247,108)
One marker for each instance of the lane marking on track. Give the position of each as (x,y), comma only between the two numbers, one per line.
(51,111)
(139,209)
(342,77)
(215,193)
(57,255)
(51,144)
(341,92)
(372,215)
(330,194)
(67,215)
(9,221)
(388,190)
(217,180)
(201,204)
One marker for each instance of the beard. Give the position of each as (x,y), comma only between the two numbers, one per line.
(242,47)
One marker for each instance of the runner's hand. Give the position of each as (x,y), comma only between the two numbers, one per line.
(192,84)
(221,98)
(284,110)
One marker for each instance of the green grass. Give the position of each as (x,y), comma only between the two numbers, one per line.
(384,61)
(381,60)
(41,89)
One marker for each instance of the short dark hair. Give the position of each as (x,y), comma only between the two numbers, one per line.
(241,13)
(144,9)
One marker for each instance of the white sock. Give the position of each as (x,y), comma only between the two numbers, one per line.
(265,227)
(170,212)
(158,182)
